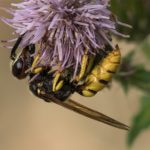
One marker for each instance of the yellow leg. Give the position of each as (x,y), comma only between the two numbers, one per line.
(34,69)
(86,66)
(57,83)
(83,67)
(35,61)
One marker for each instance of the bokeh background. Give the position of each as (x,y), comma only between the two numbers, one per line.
(28,123)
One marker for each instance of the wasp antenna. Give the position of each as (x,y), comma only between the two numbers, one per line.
(13,51)
(85,111)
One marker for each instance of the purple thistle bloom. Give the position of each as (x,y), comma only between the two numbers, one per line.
(64,29)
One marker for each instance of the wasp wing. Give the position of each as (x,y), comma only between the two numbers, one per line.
(85,111)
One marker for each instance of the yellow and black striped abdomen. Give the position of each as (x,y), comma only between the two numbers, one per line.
(101,73)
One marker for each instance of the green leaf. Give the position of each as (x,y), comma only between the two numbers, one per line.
(125,86)
(133,75)
(141,120)
(140,79)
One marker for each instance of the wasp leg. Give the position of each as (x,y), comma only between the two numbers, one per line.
(35,69)
(86,66)
(83,67)
(57,82)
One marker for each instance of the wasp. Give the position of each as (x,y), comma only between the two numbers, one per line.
(43,85)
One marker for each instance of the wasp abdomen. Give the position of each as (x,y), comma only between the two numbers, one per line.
(101,74)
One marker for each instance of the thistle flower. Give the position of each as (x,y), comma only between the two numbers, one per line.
(64,29)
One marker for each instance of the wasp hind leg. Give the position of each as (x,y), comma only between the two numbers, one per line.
(83,68)
(86,65)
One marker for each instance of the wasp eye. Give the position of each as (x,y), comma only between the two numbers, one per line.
(18,69)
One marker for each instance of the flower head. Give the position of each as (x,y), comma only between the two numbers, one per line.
(64,29)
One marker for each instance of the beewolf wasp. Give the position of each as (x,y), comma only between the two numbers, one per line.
(94,79)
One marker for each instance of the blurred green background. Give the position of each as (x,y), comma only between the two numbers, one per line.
(28,123)
(136,13)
